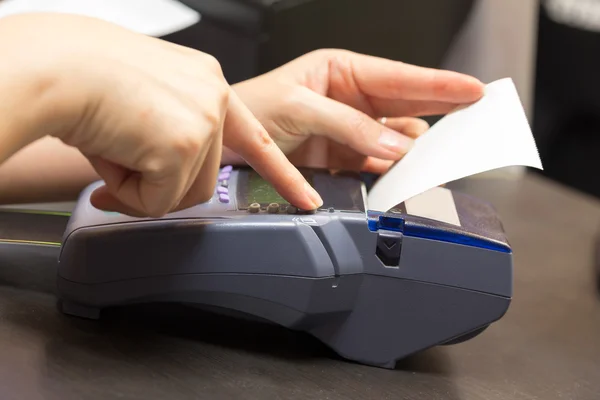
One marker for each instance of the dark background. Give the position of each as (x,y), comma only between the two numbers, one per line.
(250,37)
(567,103)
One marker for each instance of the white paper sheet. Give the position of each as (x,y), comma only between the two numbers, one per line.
(489,134)
(436,203)
(150,17)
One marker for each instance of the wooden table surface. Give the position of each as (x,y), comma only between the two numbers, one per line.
(546,347)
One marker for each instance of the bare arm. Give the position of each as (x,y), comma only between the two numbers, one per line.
(46,170)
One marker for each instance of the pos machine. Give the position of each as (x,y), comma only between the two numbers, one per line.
(373,286)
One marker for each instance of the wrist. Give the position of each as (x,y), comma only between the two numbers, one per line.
(26,113)
(36,97)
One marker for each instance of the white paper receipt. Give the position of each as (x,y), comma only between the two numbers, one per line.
(149,17)
(436,203)
(489,134)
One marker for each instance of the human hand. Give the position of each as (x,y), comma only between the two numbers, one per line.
(150,116)
(324,109)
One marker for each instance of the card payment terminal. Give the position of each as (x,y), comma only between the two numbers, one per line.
(373,286)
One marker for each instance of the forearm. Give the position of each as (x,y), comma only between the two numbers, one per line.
(36,100)
(46,170)
(34,95)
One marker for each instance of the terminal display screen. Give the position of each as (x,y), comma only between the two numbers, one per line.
(340,192)
(262,192)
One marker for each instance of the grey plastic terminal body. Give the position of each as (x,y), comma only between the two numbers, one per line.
(373,295)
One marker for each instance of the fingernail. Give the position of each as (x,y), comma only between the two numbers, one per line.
(313,196)
(395,141)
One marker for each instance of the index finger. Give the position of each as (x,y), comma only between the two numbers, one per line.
(246,136)
(388,79)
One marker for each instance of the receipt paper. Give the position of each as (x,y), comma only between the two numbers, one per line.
(489,134)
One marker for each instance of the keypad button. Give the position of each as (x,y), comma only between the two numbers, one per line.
(273,208)
(223,176)
(222,190)
(227,168)
(224,198)
(292,210)
(254,208)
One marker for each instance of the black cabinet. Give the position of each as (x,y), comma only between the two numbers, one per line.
(250,37)
(567,93)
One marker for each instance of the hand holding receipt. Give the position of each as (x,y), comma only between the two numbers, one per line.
(489,134)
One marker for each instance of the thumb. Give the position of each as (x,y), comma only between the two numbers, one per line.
(113,175)
(313,114)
